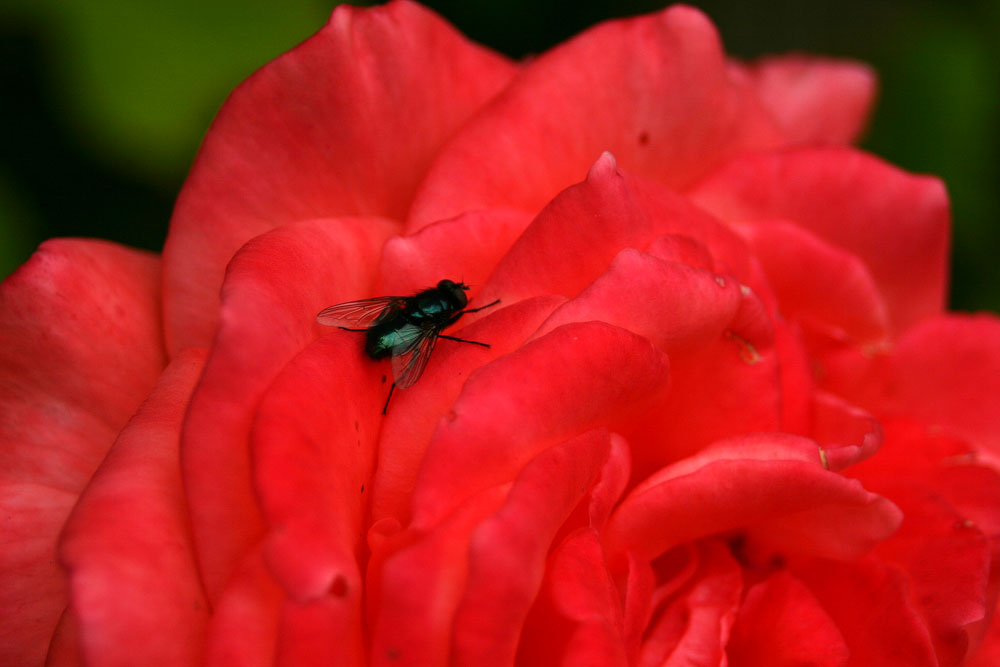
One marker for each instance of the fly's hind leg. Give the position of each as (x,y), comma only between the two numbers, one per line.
(349,329)
(386,406)
(462,340)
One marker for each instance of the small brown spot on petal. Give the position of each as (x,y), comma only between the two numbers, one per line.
(643,138)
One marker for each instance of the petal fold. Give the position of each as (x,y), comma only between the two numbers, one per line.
(134,584)
(80,348)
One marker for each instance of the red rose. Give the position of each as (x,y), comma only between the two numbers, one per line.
(723,416)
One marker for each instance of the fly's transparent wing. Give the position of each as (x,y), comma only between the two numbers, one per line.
(408,364)
(361,314)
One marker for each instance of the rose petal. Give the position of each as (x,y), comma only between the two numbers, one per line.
(308,442)
(577,236)
(274,287)
(316,133)
(724,389)
(322,632)
(947,562)
(781,623)
(415,413)
(825,289)
(894,222)
(871,606)
(420,586)
(465,248)
(814,100)
(697,317)
(655,91)
(80,347)
(64,649)
(675,306)
(507,551)
(244,626)
(846,433)
(134,585)
(595,375)
(694,627)
(754,482)
(577,619)
(947,372)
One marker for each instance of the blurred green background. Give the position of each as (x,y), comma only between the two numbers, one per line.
(105,101)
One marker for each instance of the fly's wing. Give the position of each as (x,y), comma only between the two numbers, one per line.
(408,364)
(361,314)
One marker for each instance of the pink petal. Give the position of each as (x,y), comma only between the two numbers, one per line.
(134,585)
(655,91)
(781,623)
(872,608)
(755,482)
(694,627)
(303,448)
(274,287)
(317,133)
(814,100)
(595,375)
(894,222)
(465,248)
(415,412)
(80,347)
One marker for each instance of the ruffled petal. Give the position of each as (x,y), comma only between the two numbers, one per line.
(465,248)
(317,133)
(655,91)
(507,551)
(871,605)
(894,222)
(694,625)
(772,485)
(577,618)
(781,623)
(246,617)
(274,287)
(826,290)
(946,372)
(134,585)
(595,375)
(577,236)
(814,100)
(80,348)
(308,442)
(415,412)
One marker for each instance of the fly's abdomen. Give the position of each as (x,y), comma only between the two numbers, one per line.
(385,341)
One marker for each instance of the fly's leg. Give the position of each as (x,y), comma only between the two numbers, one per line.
(462,340)
(346,329)
(386,406)
(489,305)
